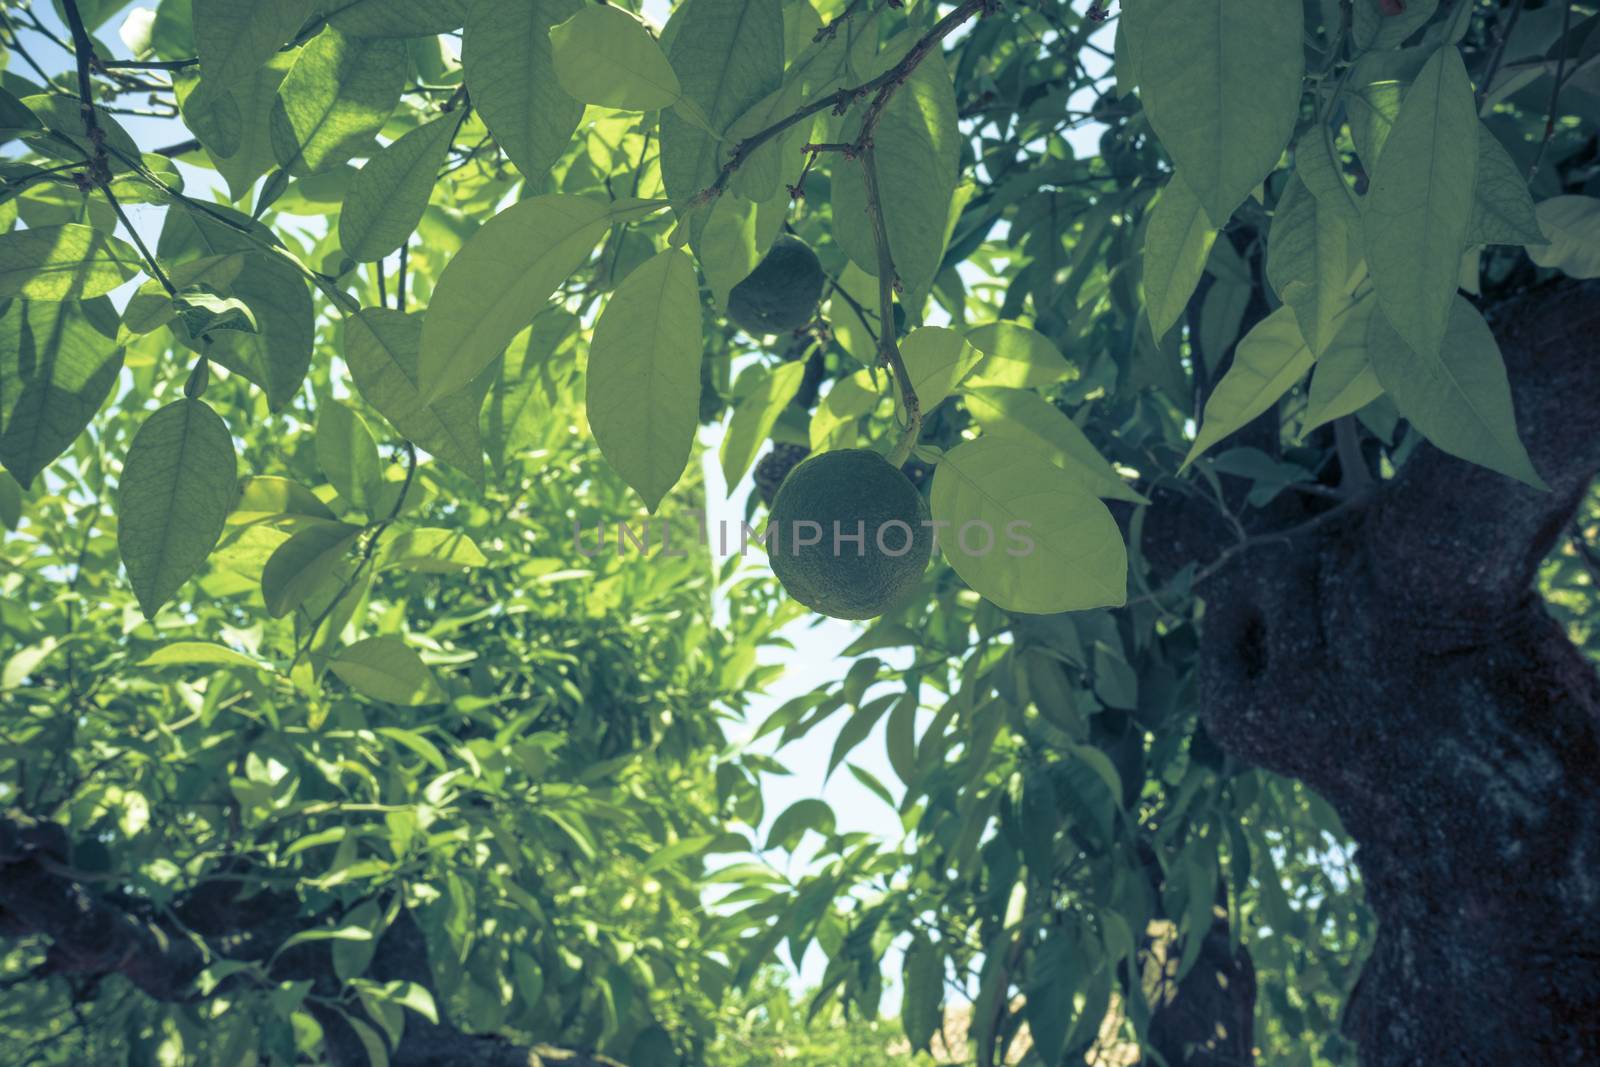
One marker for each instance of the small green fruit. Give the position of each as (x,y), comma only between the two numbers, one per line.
(782,293)
(831,500)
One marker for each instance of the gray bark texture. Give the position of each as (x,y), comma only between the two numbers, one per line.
(1398,659)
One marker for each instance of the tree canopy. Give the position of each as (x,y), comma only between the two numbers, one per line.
(372,690)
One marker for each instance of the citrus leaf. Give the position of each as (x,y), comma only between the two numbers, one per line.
(507,61)
(56,370)
(395,18)
(1310,261)
(201,654)
(335,99)
(1572,224)
(381,347)
(1344,381)
(1266,364)
(499,280)
(67,262)
(917,145)
(643,391)
(1220,82)
(432,551)
(1023,534)
(348,455)
(1041,426)
(1177,242)
(388,196)
(937,358)
(304,563)
(754,418)
(605,56)
(178,485)
(1420,202)
(235,38)
(922,1010)
(1457,395)
(1016,357)
(234,123)
(728,55)
(796,819)
(1502,209)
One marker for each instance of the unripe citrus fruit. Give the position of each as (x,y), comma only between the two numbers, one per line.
(848,534)
(782,293)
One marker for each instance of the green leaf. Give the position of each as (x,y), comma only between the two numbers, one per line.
(178,485)
(499,280)
(834,423)
(303,564)
(508,63)
(264,498)
(1420,202)
(1266,364)
(432,551)
(56,370)
(348,455)
(796,819)
(754,418)
(396,18)
(1502,209)
(1572,224)
(1037,542)
(918,149)
(1344,381)
(406,738)
(1016,357)
(10,501)
(922,1010)
(736,236)
(278,354)
(1053,982)
(351,958)
(1177,242)
(381,348)
(389,194)
(1220,82)
(1039,425)
(235,38)
(1457,394)
(728,55)
(937,358)
(606,56)
(643,392)
(201,654)
(385,669)
(335,99)
(68,262)
(1310,262)
(234,123)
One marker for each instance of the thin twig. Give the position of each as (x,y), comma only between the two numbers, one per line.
(1555,93)
(884,84)
(1503,33)
(1226,556)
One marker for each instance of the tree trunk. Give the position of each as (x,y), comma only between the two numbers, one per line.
(1397,658)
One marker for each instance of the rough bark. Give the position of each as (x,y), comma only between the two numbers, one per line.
(96,935)
(1397,659)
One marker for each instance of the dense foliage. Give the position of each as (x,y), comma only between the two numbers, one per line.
(319,701)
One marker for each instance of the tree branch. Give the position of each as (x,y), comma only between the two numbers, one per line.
(884,85)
